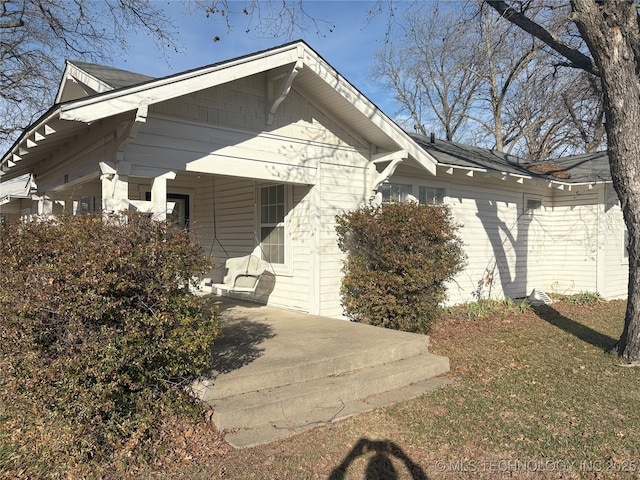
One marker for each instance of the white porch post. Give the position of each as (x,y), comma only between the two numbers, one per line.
(159,195)
(115,187)
(45,205)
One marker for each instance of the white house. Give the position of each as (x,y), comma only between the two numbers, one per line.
(260,153)
(560,231)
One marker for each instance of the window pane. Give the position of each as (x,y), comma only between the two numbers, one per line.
(272,216)
(533,204)
(431,195)
(394,192)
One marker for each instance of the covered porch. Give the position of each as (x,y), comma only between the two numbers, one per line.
(278,372)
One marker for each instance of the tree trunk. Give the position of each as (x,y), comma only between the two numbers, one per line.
(612,34)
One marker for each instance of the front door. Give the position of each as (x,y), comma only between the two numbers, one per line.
(180,214)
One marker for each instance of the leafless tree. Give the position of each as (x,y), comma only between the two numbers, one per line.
(37,35)
(430,70)
(469,75)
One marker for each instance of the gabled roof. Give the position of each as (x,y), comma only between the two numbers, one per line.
(96,99)
(579,169)
(114,77)
(83,79)
(19,187)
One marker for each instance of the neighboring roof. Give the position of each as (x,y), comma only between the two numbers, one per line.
(586,168)
(19,187)
(86,97)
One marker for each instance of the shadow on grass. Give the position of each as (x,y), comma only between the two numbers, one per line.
(379,465)
(578,330)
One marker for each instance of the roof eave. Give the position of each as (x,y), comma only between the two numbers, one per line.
(29,139)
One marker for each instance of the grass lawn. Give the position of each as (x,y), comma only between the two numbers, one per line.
(536,396)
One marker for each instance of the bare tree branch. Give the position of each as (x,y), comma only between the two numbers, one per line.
(576,58)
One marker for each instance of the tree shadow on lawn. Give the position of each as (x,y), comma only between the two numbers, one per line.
(584,333)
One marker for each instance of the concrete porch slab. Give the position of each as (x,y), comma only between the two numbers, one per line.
(278,372)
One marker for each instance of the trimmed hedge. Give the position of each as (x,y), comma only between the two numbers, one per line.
(399,258)
(100,335)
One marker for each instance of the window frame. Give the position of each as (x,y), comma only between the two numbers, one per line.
(427,187)
(285,266)
(413,192)
(390,185)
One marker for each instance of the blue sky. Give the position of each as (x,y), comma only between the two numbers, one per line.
(349,47)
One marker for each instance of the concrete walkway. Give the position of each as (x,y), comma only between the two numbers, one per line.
(277,372)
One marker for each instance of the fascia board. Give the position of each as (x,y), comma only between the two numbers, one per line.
(73,71)
(112,103)
(369,110)
(45,119)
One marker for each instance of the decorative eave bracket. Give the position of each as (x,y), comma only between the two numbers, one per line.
(392,159)
(128,131)
(276,97)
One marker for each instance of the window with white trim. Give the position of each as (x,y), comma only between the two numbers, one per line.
(430,195)
(394,192)
(272,223)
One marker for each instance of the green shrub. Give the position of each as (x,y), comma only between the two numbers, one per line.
(399,257)
(484,308)
(100,334)
(582,298)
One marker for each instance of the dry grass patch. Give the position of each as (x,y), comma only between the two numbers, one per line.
(535,391)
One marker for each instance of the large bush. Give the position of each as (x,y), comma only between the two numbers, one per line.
(399,258)
(100,335)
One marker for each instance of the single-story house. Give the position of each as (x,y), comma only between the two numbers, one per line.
(258,154)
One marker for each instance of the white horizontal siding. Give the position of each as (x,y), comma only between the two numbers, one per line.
(572,247)
(343,189)
(616,263)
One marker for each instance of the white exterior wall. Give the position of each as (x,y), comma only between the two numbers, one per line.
(211,132)
(342,188)
(616,260)
(572,244)
(496,236)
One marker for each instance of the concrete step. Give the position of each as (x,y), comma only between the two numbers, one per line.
(322,398)
(285,369)
(265,433)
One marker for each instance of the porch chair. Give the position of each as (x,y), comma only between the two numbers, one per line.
(242,275)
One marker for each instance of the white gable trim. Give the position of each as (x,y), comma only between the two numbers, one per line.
(369,110)
(110,103)
(73,73)
(91,109)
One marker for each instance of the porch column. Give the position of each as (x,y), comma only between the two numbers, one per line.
(159,195)
(45,205)
(115,187)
